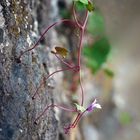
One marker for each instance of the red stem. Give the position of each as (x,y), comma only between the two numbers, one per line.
(36,92)
(46,30)
(82,91)
(79,55)
(85,21)
(67,64)
(77,68)
(75,17)
(80,47)
(78,118)
(61,107)
(73,124)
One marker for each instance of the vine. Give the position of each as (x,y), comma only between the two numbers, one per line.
(60,53)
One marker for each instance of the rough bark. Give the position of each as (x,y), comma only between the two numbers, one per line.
(21,21)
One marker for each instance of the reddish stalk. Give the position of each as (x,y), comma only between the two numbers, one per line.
(67,64)
(45,78)
(75,17)
(42,36)
(82,91)
(85,21)
(58,106)
(73,125)
(70,67)
(75,68)
(78,118)
(82,27)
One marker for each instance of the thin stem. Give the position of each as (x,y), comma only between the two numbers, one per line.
(82,91)
(58,106)
(67,129)
(85,21)
(79,64)
(70,67)
(79,55)
(46,30)
(36,92)
(78,118)
(67,64)
(73,125)
(80,47)
(81,38)
(75,17)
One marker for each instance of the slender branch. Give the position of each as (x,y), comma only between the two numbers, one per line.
(85,21)
(67,64)
(80,47)
(78,118)
(36,92)
(82,91)
(81,38)
(70,67)
(73,125)
(46,30)
(79,56)
(75,17)
(58,106)
(67,129)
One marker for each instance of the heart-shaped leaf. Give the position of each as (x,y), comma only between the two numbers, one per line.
(61,51)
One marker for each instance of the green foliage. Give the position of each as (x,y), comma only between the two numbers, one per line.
(90,7)
(97,54)
(79,6)
(96,24)
(125,118)
(82,4)
(85,2)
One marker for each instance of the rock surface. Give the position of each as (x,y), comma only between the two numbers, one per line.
(21,22)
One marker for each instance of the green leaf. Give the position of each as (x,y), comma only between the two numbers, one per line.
(79,108)
(96,25)
(85,2)
(61,51)
(109,72)
(79,6)
(96,55)
(90,7)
